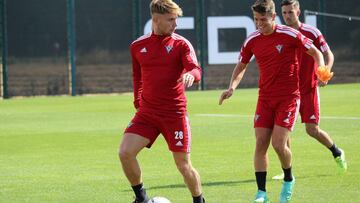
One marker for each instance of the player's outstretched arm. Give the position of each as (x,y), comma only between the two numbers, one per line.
(236,77)
(324,75)
(225,95)
(323,72)
(329,58)
(317,55)
(188,79)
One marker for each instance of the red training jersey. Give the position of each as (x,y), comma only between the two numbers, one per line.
(276,56)
(158,62)
(308,66)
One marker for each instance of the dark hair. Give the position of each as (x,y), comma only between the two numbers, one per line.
(264,6)
(290,2)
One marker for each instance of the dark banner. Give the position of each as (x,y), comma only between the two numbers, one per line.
(37,41)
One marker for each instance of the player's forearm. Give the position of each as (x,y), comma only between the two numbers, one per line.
(319,59)
(329,59)
(317,55)
(196,72)
(137,84)
(137,92)
(237,75)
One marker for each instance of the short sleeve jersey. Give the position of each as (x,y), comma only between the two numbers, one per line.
(308,67)
(158,62)
(276,57)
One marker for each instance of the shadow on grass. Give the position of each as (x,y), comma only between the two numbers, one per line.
(223,183)
(207,184)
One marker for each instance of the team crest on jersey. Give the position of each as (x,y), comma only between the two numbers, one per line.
(168,48)
(279,47)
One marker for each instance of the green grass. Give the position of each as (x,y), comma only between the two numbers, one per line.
(64,149)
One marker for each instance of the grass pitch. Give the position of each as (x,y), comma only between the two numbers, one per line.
(64,149)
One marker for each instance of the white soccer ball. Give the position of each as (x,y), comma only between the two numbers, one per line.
(159,200)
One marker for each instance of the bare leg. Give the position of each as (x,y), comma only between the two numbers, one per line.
(279,142)
(261,160)
(288,142)
(130,146)
(314,131)
(190,175)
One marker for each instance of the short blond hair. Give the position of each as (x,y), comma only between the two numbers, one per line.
(165,6)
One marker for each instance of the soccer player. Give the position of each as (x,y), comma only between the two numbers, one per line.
(164,64)
(274,47)
(310,106)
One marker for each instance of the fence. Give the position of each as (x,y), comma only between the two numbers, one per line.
(36,42)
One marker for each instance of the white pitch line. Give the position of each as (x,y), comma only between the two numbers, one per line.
(341,117)
(250,116)
(225,115)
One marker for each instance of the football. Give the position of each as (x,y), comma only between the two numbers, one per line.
(159,200)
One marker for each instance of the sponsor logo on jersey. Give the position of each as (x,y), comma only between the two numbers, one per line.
(168,48)
(143,50)
(279,47)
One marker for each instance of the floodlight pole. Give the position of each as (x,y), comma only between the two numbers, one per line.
(71,46)
(322,23)
(136,19)
(200,38)
(4,51)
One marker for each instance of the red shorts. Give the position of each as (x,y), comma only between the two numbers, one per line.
(282,112)
(310,107)
(176,130)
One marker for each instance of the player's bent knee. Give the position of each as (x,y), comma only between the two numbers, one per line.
(122,155)
(184,167)
(125,154)
(278,147)
(312,131)
(260,150)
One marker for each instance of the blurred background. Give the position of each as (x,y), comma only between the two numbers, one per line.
(37,53)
